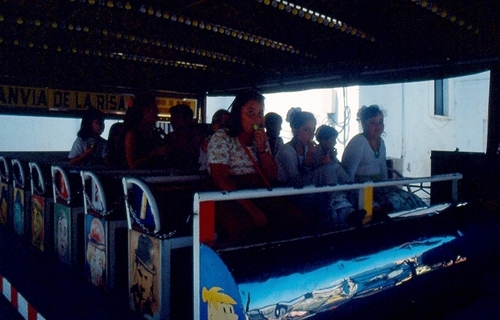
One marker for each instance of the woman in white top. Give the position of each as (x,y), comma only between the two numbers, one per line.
(364,159)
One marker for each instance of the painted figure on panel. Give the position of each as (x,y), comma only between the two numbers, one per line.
(3,204)
(96,253)
(144,277)
(220,305)
(19,211)
(37,234)
(62,235)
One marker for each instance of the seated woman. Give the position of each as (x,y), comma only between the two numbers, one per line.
(145,147)
(364,159)
(239,158)
(299,165)
(89,147)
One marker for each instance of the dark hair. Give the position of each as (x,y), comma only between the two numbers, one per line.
(325,132)
(134,114)
(217,117)
(88,117)
(298,118)
(271,119)
(242,98)
(366,113)
(182,110)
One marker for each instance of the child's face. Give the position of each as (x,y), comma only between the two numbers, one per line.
(274,130)
(328,143)
(305,133)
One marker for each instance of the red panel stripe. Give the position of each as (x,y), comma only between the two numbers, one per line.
(207,221)
(14,300)
(13,297)
(32,314)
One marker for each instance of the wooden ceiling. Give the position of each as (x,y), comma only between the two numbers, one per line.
(218,46)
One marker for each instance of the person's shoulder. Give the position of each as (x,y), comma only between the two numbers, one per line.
(79,141)
(221,133)
(358,137)
(357,140)
(286,150)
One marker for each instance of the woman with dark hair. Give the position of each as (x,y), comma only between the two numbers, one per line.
(296,158)
(239,158)
(242,148)
(364,159)
(144,145)
(89,147)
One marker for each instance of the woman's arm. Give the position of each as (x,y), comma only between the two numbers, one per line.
(268,165)
(77,154)
(134,160)
(351,158)
(384,175)
(81,157)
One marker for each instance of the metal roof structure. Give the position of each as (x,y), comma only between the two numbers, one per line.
(219,46)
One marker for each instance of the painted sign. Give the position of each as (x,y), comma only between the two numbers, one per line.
(61,187)
(144,274)
(220,298)
(164,104)
(62,232)
(143,210)
(4,202)
(95,201)
(37,221)
(70,100)
(95,252)
(54,99)
(18,210)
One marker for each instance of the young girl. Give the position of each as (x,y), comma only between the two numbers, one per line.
(89,147)
(298,165)
(326,156)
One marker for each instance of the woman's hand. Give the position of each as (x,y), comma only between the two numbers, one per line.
(260,140)
(325,159)
(309,156)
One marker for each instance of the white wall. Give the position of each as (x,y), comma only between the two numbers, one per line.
(412,129)
(23,133)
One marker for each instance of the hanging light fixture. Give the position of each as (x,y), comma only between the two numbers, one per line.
(317,17)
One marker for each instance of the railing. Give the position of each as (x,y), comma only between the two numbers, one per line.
(204,210)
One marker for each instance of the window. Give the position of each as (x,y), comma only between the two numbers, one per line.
(441,97)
